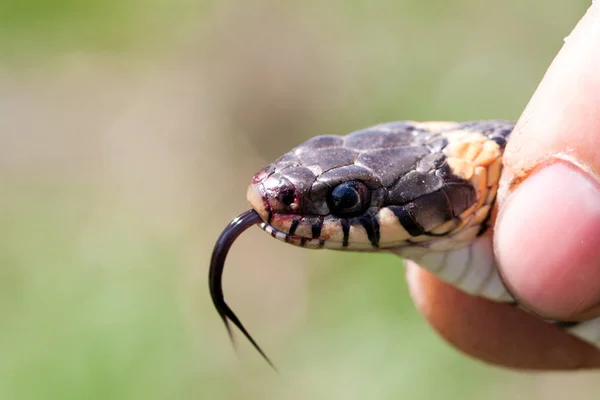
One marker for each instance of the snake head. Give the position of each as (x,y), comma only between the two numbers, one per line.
(401,184)
(404,186)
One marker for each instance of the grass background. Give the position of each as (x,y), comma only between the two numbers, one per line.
(128,133)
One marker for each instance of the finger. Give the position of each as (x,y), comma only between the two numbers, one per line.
(493,332)
(547,237)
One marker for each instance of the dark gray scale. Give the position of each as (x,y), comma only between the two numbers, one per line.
(461,196)
(348,173)
(328,158)
(264,173)
(430,210)
(286,161)
(379,137)
(301,178)
(431,162)
(429,195)
(437,144)
(424,213)
(315,207)
(319,142)
(445,173)
(412,186)
(391,164)
(378,198)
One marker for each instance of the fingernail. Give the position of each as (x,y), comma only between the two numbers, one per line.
(547,241)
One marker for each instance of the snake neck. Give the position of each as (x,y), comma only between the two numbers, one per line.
(472,268)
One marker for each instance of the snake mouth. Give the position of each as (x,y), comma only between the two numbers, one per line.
(298,230)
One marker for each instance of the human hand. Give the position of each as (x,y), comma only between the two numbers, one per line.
(547,234)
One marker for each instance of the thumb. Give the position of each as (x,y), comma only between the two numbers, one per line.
(547,238)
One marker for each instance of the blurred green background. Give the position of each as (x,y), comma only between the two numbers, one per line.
(129,130)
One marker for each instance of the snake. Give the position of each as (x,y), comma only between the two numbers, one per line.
(424,191)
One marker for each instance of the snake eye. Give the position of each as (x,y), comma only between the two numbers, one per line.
(349,199)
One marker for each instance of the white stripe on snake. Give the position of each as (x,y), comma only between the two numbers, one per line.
(425,191)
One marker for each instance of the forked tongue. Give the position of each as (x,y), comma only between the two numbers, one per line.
(215,274)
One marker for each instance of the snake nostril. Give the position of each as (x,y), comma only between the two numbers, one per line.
(287,197)
(281,194)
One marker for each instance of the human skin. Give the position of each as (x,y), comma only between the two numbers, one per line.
(547,233)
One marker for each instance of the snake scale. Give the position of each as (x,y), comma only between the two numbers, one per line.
(425,191)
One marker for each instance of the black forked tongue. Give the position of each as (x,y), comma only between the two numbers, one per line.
(215,274)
